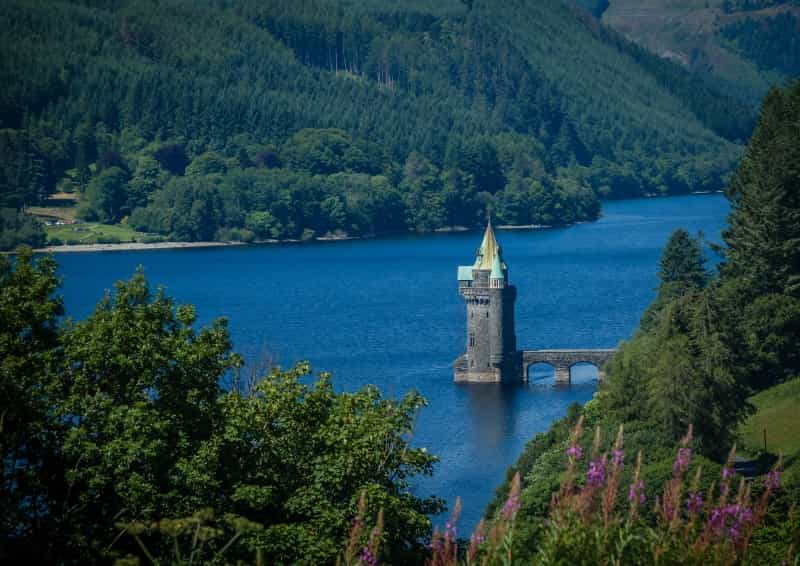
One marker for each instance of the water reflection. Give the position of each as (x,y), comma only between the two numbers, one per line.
(492,413)
(500,411)
(542,374)
(583,373)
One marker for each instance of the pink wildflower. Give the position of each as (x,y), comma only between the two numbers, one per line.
(367,558)
(636,493)
(597,473)
(511,507)
(683,460)
(773,480)
(695,502)
(575,452)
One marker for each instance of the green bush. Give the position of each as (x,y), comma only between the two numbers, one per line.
(150,239)
(19,228)
(104,239)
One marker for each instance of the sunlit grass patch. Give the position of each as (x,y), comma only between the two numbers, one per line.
(778,411)
(92,233)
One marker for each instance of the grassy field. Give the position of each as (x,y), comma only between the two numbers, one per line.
(60,205)
(92,233)
(778,413)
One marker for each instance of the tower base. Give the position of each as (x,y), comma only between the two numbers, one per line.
(508,371)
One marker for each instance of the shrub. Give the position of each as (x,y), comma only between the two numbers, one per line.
(153,239)
(105,239)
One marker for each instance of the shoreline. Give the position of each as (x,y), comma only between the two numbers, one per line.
(141,246)
(132,246)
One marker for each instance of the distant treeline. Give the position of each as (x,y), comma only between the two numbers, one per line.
(292,119)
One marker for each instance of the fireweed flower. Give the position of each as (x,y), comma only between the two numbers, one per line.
(575,452)
(735,516)
(683,460)
(617,457)
(694,503)
(450,530)
(727,473)
(367,557)
(739,517)
(636,493)
(716,520)
(511,507)
(597,473)
(773,480)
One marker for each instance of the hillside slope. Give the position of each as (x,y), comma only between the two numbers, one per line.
(290,119)
(750,44)
(777,417)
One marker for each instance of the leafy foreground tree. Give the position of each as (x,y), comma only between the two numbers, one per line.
(28,389)
(117,426)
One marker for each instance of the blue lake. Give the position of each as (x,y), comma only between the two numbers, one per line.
(387,312)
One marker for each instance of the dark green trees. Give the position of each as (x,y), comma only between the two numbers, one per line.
(682,265)
(677,369)
(763,241)
(30,428)
(761,272)
(682,271)
(106,196)
(113,423)
(18,228)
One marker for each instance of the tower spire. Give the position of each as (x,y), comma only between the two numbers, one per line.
(489,249)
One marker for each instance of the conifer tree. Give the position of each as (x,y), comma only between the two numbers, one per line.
(761,274)
(764,236)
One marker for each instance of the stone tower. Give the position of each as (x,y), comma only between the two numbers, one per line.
(492,354)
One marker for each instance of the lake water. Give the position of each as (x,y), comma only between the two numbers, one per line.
(387,312)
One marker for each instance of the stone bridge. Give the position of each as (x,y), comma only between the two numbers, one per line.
(563,360)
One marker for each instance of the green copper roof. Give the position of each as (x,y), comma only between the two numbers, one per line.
(497,269)
(465,272)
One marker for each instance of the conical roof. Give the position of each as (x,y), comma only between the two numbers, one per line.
(489,250)
(497,268)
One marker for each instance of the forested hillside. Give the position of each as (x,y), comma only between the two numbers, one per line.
(748,44)
(284,119)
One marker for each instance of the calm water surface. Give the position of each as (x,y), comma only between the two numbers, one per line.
(387,312)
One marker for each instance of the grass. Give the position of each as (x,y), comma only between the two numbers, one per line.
(778,411)
(93,233)
(60,205)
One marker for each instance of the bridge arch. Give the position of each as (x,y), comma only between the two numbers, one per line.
(540,372)
(584,372)
(564,360)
